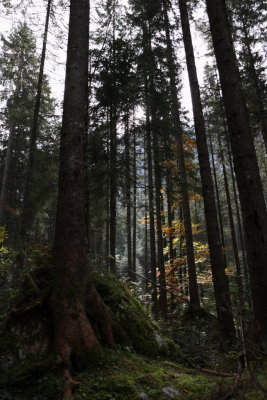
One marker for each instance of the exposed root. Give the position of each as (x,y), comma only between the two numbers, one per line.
(96,308)
(69,385)
(27,307)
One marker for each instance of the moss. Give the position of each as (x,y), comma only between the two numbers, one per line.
(121,375)
(132,325)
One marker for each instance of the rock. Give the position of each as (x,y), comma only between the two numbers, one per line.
(143,396)
(161,342)
(170,392)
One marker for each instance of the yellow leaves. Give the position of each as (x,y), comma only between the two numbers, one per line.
(143,220)
(3,234)
(201,252)
(189,143)
(179,262)
(169,164)
(204,278)
(4,250)
(230,270)
(195,196)
(168,231)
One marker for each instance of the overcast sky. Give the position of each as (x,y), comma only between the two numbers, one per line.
(57,41)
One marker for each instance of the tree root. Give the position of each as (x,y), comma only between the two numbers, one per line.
(217,373)
(96,308)
(69,385)
(27,307)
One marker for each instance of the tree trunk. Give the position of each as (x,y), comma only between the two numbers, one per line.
(113,189)
(160,257)
(134,205)
(220,281)
(153,263)
(157,180)
(193,286)
(5,175)
(238,278)
(128,198)
(219,207)
(245,163)
(28,206)
(75,341)
(256,86)
(240,230)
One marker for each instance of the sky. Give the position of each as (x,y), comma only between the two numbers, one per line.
(57,43)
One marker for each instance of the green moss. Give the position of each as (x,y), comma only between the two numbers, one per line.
(121,375)
(132,325)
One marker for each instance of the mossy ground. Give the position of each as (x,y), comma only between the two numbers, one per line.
(122,375)
(125,376)
(143,362)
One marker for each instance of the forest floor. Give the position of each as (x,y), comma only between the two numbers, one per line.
(123,375)
(187,367)
(128,376)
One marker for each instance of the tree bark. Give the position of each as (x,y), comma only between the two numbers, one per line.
(220,281)
(256,86)
(5,175)
(75,341)
(113,189)
(128,198)
(160,256)
(238,278)
(152,241)
(157,179)
(27,206)
(240,229)
(193,286)
(245,162)
(134,205)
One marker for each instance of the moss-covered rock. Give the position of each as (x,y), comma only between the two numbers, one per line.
(29,330)
(133,327)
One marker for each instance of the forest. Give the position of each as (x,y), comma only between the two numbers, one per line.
(133,222)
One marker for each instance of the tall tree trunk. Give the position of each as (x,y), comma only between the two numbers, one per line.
(157,179)
(113,152)
(113,189)
(107,241)
(238,279)
(245,162)
(5,175)
(153,263)
(219,207)
(134,205)
(181,255)
(74,341)
(160,256)
(146,266)
(28,206)
(128,198)
(86,149)
(193,286)
(240,229)
(256,86)
(220,281)
(170,218)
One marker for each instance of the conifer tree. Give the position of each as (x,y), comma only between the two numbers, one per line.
(245,161)
(220,282)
